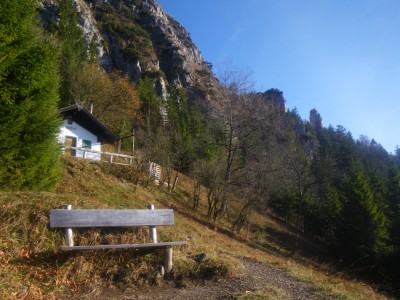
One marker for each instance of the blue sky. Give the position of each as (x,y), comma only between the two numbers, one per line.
(340,57)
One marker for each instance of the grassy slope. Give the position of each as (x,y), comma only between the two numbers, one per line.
(32,266)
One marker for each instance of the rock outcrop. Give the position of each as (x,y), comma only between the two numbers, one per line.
(274,96)
(139,38)
(179,57)
(92,34)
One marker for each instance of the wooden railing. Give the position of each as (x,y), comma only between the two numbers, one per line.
(112,157)
(116,158)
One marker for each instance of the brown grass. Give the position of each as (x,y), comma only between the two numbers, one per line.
(32,267)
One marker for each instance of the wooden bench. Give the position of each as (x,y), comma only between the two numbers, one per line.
(70,219)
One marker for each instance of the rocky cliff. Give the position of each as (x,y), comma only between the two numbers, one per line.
(138,37)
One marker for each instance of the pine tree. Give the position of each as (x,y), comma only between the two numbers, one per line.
(179,124)
(150,105)
(393,213)
(393,198)
(364,227)
(73,52)
(29,84)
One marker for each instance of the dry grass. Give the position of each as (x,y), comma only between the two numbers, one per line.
(270,241)
(34,268)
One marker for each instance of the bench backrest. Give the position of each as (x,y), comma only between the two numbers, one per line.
(79,218)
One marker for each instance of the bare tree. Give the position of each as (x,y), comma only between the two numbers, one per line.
(232,114)
(298,177)
(243,122)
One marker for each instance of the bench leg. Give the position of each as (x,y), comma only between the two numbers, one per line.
(168,260)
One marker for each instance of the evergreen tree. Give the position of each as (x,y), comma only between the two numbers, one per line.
(363,228)
(397,156)
(28,101)
(178,131)
(178,113)
(150,106)
(393,198)
(73,52)
(393,213)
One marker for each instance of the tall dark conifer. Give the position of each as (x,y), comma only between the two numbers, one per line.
(150,105)
(364,227)
(73,52)
(28,101)
(393,213)
(179,124)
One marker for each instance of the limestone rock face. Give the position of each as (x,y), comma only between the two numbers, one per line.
(139,38)
(275,97)
(179,57)
(315,118)
(92,34)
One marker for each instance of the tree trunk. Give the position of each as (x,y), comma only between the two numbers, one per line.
(196,195)
(299,213)
(175,181)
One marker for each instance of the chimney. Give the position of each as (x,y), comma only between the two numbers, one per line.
(91,107)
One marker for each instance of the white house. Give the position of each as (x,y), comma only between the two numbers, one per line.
(81,129)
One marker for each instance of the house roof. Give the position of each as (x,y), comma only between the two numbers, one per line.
(86,119)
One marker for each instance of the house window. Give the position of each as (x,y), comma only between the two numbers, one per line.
(69,121)
(86,144)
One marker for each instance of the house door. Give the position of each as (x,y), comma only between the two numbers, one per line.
(70,142)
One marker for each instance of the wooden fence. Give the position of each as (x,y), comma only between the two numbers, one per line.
(115,158)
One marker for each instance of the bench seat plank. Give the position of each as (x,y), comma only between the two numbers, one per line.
(83,218)
(123,246)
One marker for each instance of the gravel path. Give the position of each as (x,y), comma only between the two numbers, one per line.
(255,276)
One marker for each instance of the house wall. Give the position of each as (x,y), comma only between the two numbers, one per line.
(81,134)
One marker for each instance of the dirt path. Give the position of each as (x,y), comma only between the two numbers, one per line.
(255,276)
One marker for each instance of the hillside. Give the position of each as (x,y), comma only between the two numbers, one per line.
(260,184)
(34,268)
